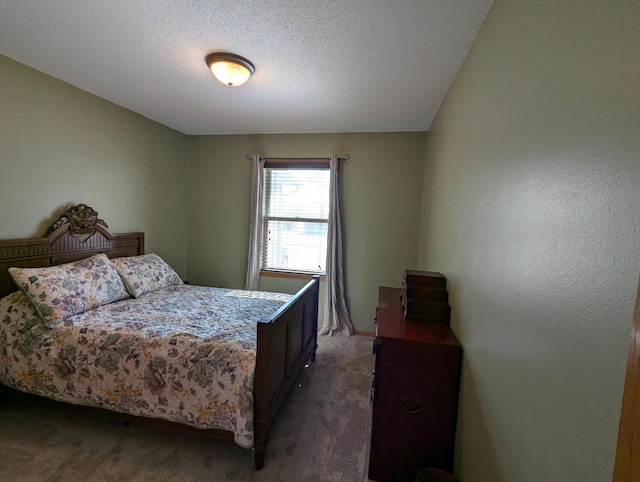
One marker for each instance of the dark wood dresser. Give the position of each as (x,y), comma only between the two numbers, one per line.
(415,393)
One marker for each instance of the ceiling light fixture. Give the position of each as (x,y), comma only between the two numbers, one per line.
(230,69)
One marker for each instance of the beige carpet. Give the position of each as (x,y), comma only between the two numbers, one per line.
(321,433)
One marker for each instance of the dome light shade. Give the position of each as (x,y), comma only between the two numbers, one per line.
(230,69)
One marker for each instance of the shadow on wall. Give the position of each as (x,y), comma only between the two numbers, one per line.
(472,422)
(45,224)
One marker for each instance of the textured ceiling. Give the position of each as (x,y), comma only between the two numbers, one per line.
(321,66)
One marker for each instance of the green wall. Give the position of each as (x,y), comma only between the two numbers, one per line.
(381,186)
(60,146)
(531,206)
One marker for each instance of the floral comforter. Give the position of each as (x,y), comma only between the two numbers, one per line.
(183,353)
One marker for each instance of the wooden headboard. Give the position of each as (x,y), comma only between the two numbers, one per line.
(76,235)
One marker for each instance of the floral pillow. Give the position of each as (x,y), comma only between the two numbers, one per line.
(146,273)
(58,292)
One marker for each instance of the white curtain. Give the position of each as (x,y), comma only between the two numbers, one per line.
(336,316)
(252,279)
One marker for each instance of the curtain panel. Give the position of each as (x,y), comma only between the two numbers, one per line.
(252,279)
(337,321)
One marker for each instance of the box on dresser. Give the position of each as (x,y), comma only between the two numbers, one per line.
(424,278)
(425,296)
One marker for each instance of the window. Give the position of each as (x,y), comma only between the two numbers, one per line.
(295,216)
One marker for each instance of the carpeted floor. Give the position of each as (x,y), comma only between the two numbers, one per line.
(321,433)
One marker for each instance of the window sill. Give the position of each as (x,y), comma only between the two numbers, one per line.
(290,274)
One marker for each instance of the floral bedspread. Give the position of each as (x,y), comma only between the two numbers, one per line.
(183,353)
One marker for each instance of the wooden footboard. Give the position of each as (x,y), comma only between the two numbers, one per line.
(285,343)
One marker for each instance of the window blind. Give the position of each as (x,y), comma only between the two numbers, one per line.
(295,217)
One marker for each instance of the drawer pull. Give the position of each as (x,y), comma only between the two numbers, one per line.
(418,405)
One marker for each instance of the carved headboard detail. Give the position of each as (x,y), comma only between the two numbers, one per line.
(83,222)
(78,234)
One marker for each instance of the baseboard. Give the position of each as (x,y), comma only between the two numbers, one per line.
(364,332)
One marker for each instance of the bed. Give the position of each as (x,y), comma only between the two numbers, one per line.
(226,381)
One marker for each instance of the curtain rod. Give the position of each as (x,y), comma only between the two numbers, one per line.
(343,159)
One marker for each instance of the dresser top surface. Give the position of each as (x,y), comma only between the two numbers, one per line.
(392,323)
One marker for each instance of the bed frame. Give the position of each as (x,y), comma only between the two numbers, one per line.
(285,342)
